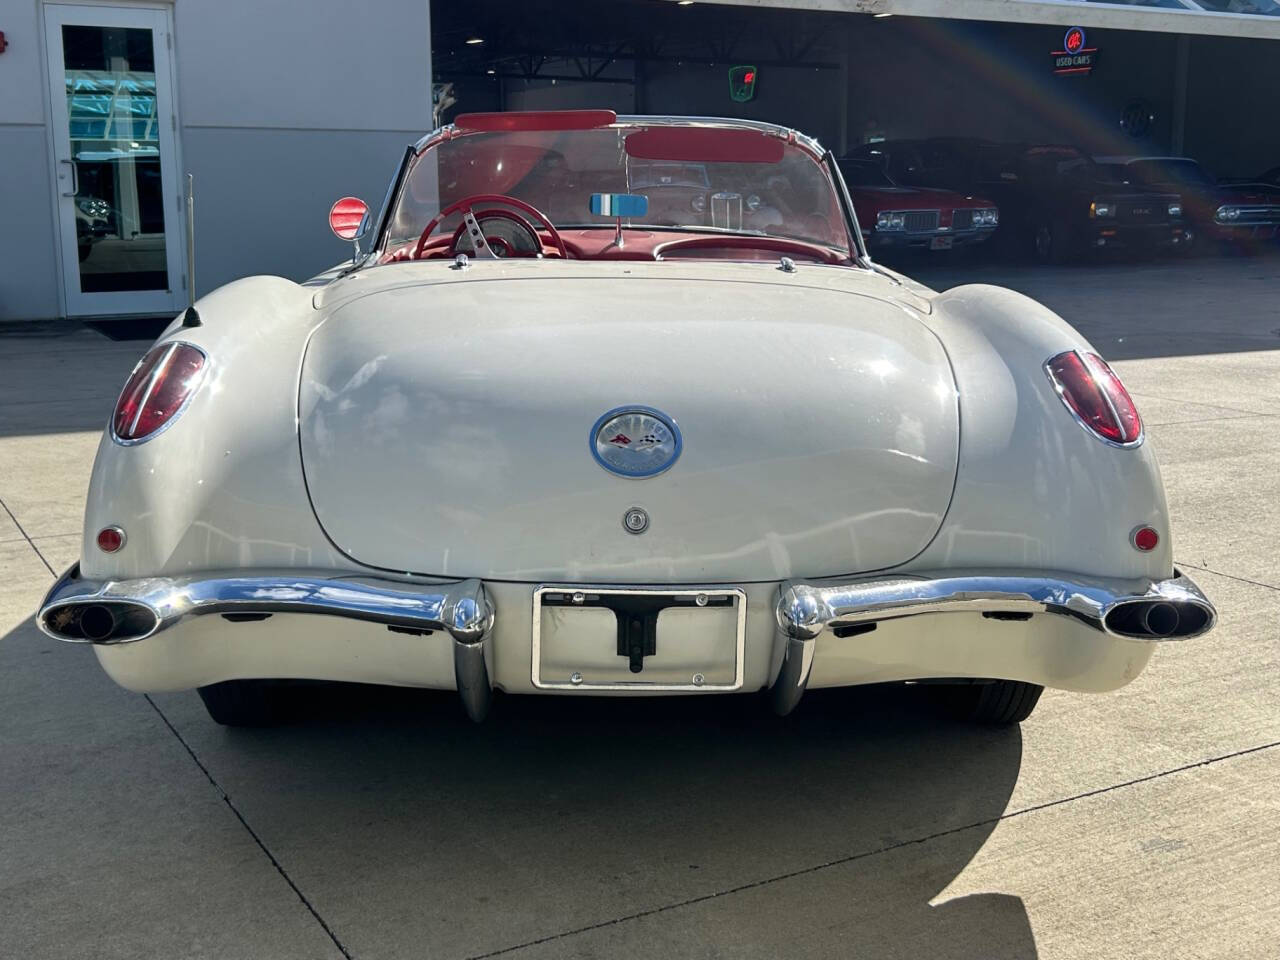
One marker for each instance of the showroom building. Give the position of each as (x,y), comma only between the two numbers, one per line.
(106,107)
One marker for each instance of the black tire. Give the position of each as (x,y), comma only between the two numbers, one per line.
(84,249)
(1053,243)
(999,703)
(244,703)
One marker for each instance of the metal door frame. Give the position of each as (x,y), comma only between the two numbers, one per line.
(159,20)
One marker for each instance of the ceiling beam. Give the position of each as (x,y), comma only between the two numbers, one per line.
(1061,12)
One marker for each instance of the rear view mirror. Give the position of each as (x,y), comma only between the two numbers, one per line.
(349,218)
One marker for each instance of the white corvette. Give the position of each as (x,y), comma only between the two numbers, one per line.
(616,406)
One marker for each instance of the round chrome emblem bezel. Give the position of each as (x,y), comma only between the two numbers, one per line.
(635,520)
(666,451)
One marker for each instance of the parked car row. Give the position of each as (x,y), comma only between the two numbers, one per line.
(891,215)
(1057,202)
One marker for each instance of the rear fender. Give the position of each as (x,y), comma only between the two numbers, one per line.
(1034,488)
(223,486)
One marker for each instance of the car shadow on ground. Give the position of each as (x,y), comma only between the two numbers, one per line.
(694,819)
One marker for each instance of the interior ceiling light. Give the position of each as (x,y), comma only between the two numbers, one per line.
(472,41)
(875,16)
(684,3)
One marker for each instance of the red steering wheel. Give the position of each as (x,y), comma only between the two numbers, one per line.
(465,206)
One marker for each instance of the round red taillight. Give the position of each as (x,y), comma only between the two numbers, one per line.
(157,390)
(110,539)
(1094,394)
(1145,539)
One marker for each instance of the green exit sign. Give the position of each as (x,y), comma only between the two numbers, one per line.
(742,83)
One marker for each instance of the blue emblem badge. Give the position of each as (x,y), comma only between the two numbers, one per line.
(636,442)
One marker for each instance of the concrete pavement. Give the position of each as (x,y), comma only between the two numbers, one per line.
(1144,823)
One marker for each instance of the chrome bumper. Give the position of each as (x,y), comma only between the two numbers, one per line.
(143,608)
(806,610)
(123,611)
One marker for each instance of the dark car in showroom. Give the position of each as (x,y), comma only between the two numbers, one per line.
(925,218)
(1063,205)
(1219,210)
(948,163)
(1054,200)
(1271,178)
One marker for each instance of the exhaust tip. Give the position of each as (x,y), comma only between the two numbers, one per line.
(97,622)
(1159,619)
(101,621)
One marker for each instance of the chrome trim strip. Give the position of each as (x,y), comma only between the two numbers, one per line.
(641,687)
(806,610)
(376,244)
(463,608)
(156,374)
(861,256)
(448,131)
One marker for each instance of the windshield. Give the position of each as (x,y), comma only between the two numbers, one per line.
(1049,163)
(864,173)
(694,178)
(1182,173)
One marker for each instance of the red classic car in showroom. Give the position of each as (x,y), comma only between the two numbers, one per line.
(891,215)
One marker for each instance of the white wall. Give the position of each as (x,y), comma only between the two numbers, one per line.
(28,277)
(285,107)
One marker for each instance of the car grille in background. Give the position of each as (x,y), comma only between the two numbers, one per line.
(962,220)
(1145,211)
(1267,215)
(920,221)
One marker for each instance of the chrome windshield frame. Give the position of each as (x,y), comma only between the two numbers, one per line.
(823,157)
(862,256)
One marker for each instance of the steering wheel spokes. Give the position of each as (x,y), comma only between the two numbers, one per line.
(482,246)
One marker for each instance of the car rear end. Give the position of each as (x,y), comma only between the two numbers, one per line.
(436,516)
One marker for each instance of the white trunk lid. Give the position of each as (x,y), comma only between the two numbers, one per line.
(446,429)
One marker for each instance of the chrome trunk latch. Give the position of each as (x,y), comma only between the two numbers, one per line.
(635,520)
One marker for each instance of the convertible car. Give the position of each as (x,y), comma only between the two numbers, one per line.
(553,434)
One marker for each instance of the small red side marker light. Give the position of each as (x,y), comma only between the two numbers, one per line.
(1145,539)
(110,539)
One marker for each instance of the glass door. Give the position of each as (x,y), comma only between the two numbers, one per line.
(117,187)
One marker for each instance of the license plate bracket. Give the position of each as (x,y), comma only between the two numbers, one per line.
(940,243)
(638,639)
